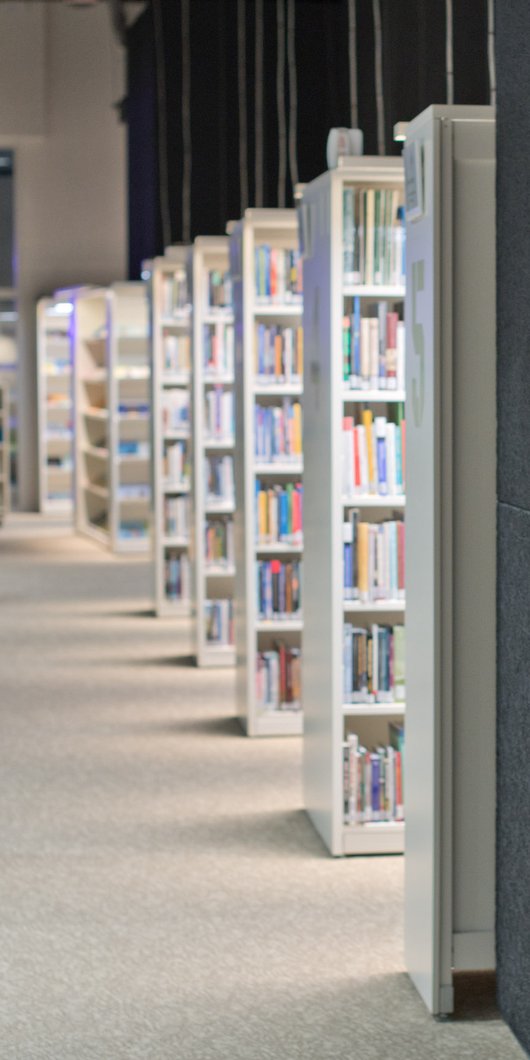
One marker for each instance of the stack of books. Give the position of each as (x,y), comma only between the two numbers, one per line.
(219,415)
(176,516)
(177,352)
(374,664)
(373,236)
(177,576)
(219,543)
(218,349)
(278,678)
(219,480)
(278,275)
(279,514)
(219,618)
(219,289)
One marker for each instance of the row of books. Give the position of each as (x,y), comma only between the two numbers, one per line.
(219,542)
(134,491)
(219,289)
(134,447)
(278,431)
(219,414)
(176,353)
(279,589)
(373,236)
(373,664)
(175,296)
(373,455)
(175,410)
(279,353)
(133,528)
(374,560)
(219,479)
(278,678)
(133,407)
(219,622)
(218,348)
(176,516)
(176,463)
(177,576)
(373,781)
(373,349)
(279,514)
(278,274)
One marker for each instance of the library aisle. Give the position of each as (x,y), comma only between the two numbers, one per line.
(162,893)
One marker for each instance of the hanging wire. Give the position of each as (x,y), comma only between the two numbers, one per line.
(379,94)
(186,120)
(280,100)
(491,52)
(242,89)
(352,56)
(161,122)
(449,73)
(293,93)
(258,105)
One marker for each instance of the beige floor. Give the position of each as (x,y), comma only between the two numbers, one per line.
(163,896)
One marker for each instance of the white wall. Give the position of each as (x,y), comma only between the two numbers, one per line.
(70,169)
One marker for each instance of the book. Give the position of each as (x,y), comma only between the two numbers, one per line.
(176,352)
(219,480)
(373,564)
(278,678)
(382,439)
(219,289)
(219,542)
(219,622)
(373,348)
(278,587)
(278,432)
(279,514)
(372,781)
(219,415)
(177,576)
(218,349)
(278,274)
(373,236)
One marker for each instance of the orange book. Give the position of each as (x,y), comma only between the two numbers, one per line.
(278,355)
(363,531)
(262,515)
(297,428)
(367,418)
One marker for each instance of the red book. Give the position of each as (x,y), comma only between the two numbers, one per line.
(356,460)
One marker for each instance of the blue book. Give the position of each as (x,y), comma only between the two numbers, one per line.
(399,460)
(376,794)
(283,516)
(380,435)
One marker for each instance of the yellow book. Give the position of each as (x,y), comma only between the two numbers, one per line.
(362,559)
(262,515)
(367,424)
(297,428)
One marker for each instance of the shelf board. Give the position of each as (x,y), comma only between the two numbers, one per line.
(176,487)
(174,609)
(261,389)
(374,606)
(133,417)
(132,458)
(280,468)
(128,374)
(220,508)
(133,500)
(175,542)
(95,377)
(176,320)
(272,309)
(357,500)
(175,378)
(363,290)
(218,316)
(278,548)
(281,625)
(218,443)
(176,436)
(219,572)
(220,655)
(280,723)
(138,543)
(221,379)
(354,396)
(378,837)
(373,710)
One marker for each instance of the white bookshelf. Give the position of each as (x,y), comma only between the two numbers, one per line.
(278,229)
(171,467)
(112,416)
(212,386)
(451,549)
(55,403)
(4,452)
(329,716)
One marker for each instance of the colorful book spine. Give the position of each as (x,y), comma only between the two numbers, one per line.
(278,588)
(373,564)
(278,678)
(372,782)
(279,514)
(219,623)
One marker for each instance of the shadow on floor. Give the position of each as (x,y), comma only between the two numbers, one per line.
(193,727)
(285,834)
(475,996)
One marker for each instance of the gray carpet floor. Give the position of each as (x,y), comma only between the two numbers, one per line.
(162,895)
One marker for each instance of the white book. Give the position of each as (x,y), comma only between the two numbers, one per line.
(365,352)
(374,352)
(363,458)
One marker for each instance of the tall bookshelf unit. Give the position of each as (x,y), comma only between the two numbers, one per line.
(9,376)
(112,411)
(171,376)
(4,451)
(213,557)
(451,549)
(255,636)
(332,394)
(55,404)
